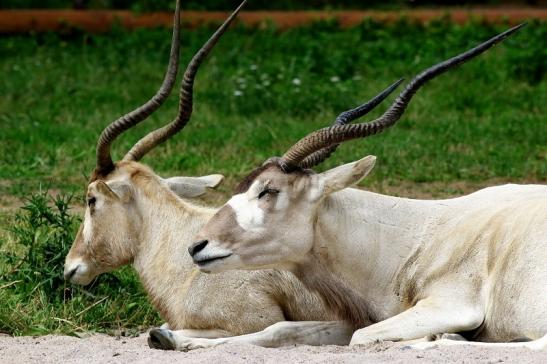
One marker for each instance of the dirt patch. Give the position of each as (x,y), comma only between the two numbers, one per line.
(7,201)
(107,349)
(23,21)
(437,190)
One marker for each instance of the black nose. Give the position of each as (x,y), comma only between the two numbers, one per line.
(68,275)
(197,247)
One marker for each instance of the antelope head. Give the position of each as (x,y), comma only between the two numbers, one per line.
(109,235)
(269,222)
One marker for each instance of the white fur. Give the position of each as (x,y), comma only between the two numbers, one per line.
(248,214)
(282,201)
(345,175)
(87,229)
(466,259)
(189,187)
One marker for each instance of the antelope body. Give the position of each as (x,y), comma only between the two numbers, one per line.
(472,264)
(133,216)
(137,219)
(397,269)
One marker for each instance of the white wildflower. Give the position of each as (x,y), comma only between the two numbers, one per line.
(238,93)
(296,81)
(253,67)
(335,79)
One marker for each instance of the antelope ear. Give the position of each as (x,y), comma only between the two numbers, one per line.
(344,176)
(189,187)
(115,189)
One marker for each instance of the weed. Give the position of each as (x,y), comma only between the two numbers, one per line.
(35,298)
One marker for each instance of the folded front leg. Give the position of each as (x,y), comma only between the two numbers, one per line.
(429,316)
(279,334)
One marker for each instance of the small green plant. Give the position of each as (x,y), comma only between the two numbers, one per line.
(43,230)
(35,298)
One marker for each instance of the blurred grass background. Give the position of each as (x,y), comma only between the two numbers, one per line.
(261,90)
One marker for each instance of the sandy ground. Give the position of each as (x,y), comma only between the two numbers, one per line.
(107,349)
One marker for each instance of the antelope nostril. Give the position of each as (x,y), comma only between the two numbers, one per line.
(197,247)
(69,274)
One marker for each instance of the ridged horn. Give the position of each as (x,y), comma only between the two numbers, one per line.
(112,131)
(345,118)
(160,135)
(336,134)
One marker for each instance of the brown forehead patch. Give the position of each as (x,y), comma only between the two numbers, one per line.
(244,185)
(223,226)
(246,182)
(133,169)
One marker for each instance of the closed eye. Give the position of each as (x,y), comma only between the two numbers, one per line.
(268,191)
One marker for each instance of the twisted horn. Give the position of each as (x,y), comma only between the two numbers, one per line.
(344,118)
(112,131)
(339,133)
(160,135)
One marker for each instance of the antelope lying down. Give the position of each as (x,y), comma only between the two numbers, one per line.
(135,217)
(398,269)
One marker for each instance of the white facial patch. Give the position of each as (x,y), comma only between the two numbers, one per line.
(248,214)
(87,230)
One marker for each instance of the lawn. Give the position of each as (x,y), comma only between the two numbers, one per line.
(261,90)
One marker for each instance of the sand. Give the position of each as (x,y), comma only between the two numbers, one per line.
(108,349)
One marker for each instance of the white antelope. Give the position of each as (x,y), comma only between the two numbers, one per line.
(398,269)
(135,217)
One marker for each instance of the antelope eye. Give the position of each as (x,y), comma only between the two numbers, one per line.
(267,191)
(91,201)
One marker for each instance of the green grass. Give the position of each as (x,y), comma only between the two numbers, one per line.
(35,298)
(480,124)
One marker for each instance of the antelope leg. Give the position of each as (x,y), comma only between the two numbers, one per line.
(279,334)
(428,317)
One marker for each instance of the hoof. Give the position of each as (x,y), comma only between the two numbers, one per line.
(160,339)
(455,337)
(521,340)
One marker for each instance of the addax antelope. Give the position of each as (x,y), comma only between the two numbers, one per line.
(398,269)
(134,216)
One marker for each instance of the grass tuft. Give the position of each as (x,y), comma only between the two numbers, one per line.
(35,298)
